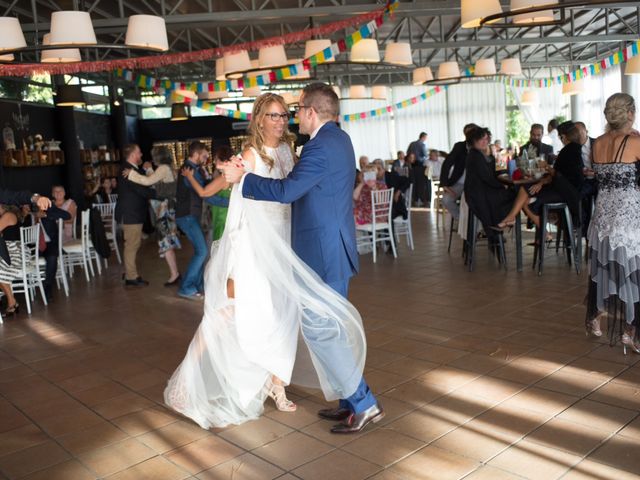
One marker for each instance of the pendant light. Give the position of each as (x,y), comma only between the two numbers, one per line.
(421,75)
(311,47)
(11,36)
(533,17)
(357,92)
(236,63)
(379,92)
(365,51)
(485,66)
(529,97)
(69,96)
(147,31)
(398,53)
(274,56)
(448,70)
(510,66)
(472,11)
(633,66)
(573,88)
(62,55)
(179,112)
(72,28)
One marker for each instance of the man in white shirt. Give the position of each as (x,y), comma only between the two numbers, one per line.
(553,138)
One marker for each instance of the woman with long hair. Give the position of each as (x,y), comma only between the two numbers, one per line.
(10,222)
(614,232)
(260,298)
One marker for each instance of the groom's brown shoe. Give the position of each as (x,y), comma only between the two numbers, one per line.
(357,421)
(335,414)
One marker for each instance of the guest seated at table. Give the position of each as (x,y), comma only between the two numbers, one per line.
(401,166)
(10,223)
(58,193)
(563,184)
(452,173)
(363,161)
(487,197)
(106,189)
(380,174)
(362,195)
(535,147)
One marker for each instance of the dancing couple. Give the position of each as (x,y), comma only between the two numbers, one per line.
(275,288)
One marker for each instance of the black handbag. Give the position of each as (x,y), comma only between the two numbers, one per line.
(4,251)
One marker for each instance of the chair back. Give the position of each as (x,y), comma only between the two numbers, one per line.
(84,228)
(408,195)
(381,202)
(106,210)
(29,242)
(113,197)
(60,223)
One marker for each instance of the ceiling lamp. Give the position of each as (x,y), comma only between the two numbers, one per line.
(7,58)
(252,91)
(11,36)
(529,97)
(63,55)
(220,75)
(421,75)
(573,88)
(216,95)
(147,31)
(69,96)
(510,66)
(337,90)
(485,66)
(290,97)
(311,47)
(179,111)
(475,10)
(365,51)
(532,17)
(357,91)
(236,63)
(72,28)
(448,70)
(379,92)
(301,75)
(274,56)
(633,66)
(398,53)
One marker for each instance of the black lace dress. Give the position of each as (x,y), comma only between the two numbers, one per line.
(614,241)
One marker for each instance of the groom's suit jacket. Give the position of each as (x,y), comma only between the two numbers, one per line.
(320,189)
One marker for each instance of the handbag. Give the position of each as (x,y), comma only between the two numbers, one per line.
(4,251)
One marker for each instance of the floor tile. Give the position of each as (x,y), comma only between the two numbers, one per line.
(619,452)
(292,450)
(71,469)
(30,460)
(116,457)
(434,463)
(383,446)
(156,468)
(336,464)
(172,436)
(256,433)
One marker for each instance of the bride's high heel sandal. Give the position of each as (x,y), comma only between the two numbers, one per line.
(627,341)
(593,328)
(279,396)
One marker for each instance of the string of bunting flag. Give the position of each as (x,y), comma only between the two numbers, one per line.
(329,53)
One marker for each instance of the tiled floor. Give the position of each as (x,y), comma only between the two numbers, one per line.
(483,375)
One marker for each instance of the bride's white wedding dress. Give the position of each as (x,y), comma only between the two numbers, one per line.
(282,315)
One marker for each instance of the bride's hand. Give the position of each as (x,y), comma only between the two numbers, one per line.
(232,172)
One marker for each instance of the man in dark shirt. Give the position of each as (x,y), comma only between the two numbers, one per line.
(535,143)
(131,210)
(419,149)
(452,174)
(188,214)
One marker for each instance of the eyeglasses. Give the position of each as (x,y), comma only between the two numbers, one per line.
(278,116)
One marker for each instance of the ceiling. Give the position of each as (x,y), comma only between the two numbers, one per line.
(431,26)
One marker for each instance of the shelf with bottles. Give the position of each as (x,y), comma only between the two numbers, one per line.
(180,149)
(91,172)
(32,158)
(99,156)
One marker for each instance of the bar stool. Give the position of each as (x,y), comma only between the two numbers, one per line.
(452,225)
(566,222)
(471,241)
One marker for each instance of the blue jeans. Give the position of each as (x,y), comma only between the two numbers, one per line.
(193,279)
(334,358)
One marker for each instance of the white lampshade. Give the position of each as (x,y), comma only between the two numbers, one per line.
(398,53)
(274,56)
(448,70)
(633,66)
(252,91)
(11,36)
(379,92)
(421,75)
(236,62)
(533,17)
(365,51)
(220,75)
(573,88)
(337,90)
(510,66)
(147,31)
(485,66)
(357,91)
(311,47)
(7,58)
(290,97)
(63,55)
(475,10)
(213,95)
(72,28)
(529,97)
(302,75)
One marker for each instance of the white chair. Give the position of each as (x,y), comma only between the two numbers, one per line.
(81,252)
(113,197)
(402,226)
(61,276)
(31,275)
(107,212)
(379,230)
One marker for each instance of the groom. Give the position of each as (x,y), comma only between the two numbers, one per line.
(320,189)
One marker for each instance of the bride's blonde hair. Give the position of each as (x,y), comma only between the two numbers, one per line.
(256,137)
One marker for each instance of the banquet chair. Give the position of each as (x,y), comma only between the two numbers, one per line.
(381,227)
(31,276)
(402,226)
(61,276)
(113,197)
(107,212)
(437,205)
(472,241)
(572,235)
(81,252)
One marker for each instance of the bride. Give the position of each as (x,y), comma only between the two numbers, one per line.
(260,298)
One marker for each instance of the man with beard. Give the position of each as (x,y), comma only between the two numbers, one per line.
(535,142)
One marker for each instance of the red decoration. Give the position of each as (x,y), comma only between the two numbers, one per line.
(154,61)
(517,174)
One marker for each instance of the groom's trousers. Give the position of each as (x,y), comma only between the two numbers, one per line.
(362,398)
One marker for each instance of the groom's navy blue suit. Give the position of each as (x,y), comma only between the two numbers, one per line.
(320,190)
